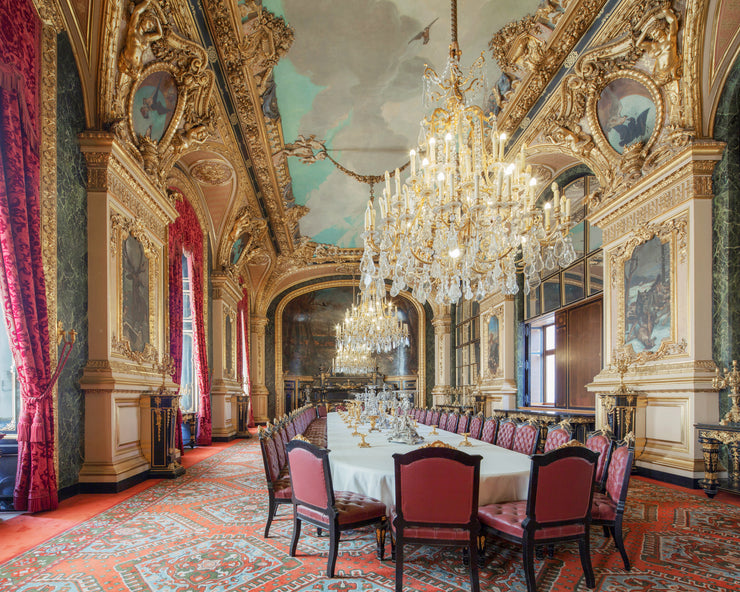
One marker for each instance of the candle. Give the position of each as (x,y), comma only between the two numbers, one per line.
(502,146)
(432,155)
(494,143)
(397,174)
(547,216)
(384,205)
(412,159)
(567,208)
(368,216)
(388,182)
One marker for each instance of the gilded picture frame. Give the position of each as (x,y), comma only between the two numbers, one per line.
(229,344)
(644,276)
(492,329)
(136,263)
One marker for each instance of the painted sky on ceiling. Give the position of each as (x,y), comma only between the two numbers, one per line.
(353,78)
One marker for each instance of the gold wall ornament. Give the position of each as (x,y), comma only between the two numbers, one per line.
(729,379)
(171,91)
(211,172)
(251,228)
(267,39)
(438,444)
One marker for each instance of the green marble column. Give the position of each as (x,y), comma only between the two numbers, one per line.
(726,231)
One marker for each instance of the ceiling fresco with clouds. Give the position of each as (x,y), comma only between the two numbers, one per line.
(352,80)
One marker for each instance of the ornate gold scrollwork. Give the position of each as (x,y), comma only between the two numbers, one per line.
(178,64)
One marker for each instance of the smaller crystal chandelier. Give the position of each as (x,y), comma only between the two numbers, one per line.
(465,221)
(353,361)
(372,324)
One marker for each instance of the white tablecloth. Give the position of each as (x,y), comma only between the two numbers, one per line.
(504,474)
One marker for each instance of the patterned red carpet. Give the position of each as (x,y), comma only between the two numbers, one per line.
(203,532)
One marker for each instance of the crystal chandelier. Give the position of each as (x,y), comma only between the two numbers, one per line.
(464,221)
(353,361)
(372,324)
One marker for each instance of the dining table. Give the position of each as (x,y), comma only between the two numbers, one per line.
(504,474)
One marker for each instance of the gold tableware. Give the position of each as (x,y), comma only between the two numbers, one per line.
(373,419)
(465,442)
(363,444)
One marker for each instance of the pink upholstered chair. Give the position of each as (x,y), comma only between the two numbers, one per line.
(490,430)
(558,508)
(601,442)
(607,509)
(278,481)
(462,423)
(526,438)
(442,421)
(434,511)
(427,417)
(452,420)
(557,435)
(321,410)
(476,426)
(505,436)
(435,418)
(315,501)
(291,429)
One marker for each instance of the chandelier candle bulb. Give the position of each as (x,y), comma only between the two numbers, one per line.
(547,216)
(502,146)
(412,160)
(397,174)
(567,208)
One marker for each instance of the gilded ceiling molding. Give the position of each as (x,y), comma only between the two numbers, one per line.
(528,61)
(51,15)
(176,84)
(237,56)
(251,229)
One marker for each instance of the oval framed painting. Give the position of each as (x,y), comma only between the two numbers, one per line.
(627,112)
(154,104)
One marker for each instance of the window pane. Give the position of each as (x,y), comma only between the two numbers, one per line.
(550,337)
(551,293)
(535,340)
(10,392)
(573,283)
(535,379)
(533,303)
(550,378)
(578,236)
(595,237)
(595,273)
(576,192)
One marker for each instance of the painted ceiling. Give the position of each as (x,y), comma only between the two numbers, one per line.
(352,80)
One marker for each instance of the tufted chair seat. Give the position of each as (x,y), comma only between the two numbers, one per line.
(315,501)
(557,435)
(436,533)
(558,508)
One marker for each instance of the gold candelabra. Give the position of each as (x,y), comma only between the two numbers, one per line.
(729,379)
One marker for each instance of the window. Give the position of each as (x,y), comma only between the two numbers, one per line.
(188,377)
(565,310)
(10,390)
(541,359)
(467,343)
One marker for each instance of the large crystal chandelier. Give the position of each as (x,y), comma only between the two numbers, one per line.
(465,221)
(373,324)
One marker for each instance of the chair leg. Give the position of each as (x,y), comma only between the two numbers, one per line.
(481,544)
(319,532)
(399,564)
(606,531)
(619,544)
(465,556)
(270,515)
(380,538)
(528,559)
(296,534)
(584,548)
(393,546)
(334,535)
(474,580)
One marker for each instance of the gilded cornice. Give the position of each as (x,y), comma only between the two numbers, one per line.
(568,31)
(50,14)
(111,169)
(234,52)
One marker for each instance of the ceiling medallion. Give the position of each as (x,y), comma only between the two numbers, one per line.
(211,172)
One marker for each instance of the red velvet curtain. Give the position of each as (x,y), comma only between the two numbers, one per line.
(186,236)
(243,357)
(22,284)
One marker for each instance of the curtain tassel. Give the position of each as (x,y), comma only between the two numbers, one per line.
(37,427)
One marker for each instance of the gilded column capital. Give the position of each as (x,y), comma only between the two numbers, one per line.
(442,325)
(258,324)
(225,287)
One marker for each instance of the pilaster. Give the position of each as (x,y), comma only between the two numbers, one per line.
(260,394)
(442,323)
(498,353)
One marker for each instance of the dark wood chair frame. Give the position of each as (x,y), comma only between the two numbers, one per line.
(335,529)
(273,502)
(530,525)
(473,526)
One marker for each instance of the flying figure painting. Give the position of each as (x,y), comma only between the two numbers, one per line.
(626,113)
(424,34)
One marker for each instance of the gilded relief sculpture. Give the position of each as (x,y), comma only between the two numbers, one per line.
(162,105)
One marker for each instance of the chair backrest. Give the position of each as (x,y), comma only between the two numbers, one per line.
(603,444)
(291,429)
(442,421)
(476,426)
(561,487)
(462,423)
(427,417)
(435,418)
(557,435)
(505,436)
(526,438)
(437,486)
(452,420)
(310,475)
(269,456)
(490,430)
(281,440)
(618,474)
(321,410)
